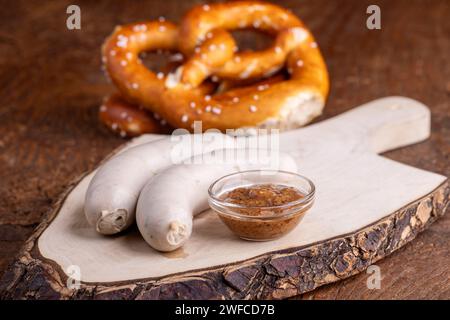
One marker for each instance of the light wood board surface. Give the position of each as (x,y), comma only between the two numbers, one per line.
(355,188)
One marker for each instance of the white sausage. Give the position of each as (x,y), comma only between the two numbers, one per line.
(169,201)
(113,192)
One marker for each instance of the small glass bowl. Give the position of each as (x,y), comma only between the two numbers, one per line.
(271,222)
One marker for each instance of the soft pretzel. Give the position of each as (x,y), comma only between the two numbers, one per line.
(183,97)
(129,120)
(200,24)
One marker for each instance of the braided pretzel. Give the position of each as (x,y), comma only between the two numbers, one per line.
(183,97)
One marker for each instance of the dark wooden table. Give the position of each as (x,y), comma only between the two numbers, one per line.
(51,86)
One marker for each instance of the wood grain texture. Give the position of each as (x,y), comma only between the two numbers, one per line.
(51,86)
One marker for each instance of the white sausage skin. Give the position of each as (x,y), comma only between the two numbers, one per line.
(112,194)
(169,201)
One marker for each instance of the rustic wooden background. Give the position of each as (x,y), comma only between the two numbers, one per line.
(51,86)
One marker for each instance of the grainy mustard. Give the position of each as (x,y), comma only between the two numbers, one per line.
(263,211)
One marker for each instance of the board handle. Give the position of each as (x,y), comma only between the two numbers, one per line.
(387,123)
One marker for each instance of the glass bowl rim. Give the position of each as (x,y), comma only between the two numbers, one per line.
(306,200)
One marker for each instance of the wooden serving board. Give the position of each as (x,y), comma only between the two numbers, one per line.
(366,207)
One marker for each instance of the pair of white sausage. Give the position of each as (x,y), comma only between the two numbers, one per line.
(164,194)
(112,195)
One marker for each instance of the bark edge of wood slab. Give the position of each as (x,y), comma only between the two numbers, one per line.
(286,270)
